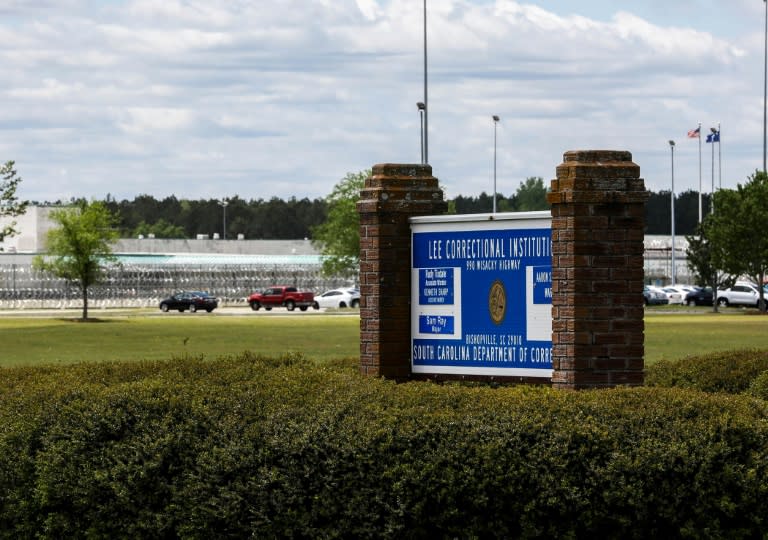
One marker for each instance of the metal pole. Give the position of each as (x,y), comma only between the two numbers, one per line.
(672,150)
(712,191)
(426,107)
(495,122)
(223,203)
(421,116)
(765,88)
(700,185)
(421,108)
(719,160)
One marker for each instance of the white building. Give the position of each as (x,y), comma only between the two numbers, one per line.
(33,226)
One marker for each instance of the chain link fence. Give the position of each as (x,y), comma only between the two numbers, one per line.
(144,285)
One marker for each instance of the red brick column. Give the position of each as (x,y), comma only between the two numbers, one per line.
(392,194)
(598,219)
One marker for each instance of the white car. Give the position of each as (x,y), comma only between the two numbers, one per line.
(672,297)
(338,298)
(741,294)
(675,295)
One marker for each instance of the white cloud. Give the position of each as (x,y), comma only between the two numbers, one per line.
(282,90)
(369,8)
(161,41)
(141,120)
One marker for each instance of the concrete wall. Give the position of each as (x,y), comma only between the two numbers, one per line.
(33,226)
(231,247)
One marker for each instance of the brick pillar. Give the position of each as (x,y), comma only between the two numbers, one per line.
(598,220)
(392,194)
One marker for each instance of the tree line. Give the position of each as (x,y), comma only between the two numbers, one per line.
(724,245)
(279,219)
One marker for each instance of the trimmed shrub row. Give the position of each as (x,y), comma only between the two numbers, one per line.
(730,372)
(258,447)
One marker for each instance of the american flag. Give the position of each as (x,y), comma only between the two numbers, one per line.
(694,133)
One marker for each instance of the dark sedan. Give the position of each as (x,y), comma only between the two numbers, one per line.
(190,300)
(699,297)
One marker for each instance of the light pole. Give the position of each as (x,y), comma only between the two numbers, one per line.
(495,123)
(672,150)
(223,203)
(765,81)
(421,108)
(426,110)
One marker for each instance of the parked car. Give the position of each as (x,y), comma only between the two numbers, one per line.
(654,296)
(282,295)
(190,300)
(338,298)
(741,294)
(700,297)
(674,295)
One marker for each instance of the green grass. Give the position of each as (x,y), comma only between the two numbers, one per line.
(29,341)
(673,336)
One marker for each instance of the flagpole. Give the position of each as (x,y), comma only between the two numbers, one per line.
(712,134)
(719,160)
(700,172)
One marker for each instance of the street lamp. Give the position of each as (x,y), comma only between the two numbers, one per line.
(223,203)
(672,150)
(495,123)
(765,81)
(422,108)
(426,123)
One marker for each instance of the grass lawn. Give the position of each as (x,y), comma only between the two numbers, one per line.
(28,340)
(672,336)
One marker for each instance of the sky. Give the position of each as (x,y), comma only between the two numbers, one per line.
(215,98)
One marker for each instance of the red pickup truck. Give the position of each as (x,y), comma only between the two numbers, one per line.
(282,296)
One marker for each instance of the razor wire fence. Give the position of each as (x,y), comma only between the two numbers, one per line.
(144,285)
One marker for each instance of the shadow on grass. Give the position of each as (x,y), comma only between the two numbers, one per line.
(88,320)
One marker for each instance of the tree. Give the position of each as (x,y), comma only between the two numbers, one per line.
(9,204)
(160,229)
(80,245)
(699,260)
(736,230)
(531,195)
(338,238)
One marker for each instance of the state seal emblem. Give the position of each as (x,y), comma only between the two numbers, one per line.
(497,302)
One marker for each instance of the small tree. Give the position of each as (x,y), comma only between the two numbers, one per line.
(9,203)
(338,238)
(80,245)
(736,231)
(699,258)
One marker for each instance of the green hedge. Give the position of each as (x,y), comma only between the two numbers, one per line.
(731,372)
(255,447)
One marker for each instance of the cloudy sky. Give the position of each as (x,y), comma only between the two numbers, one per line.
(257,98)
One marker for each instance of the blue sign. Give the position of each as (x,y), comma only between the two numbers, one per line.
(482,296)
(436,286)
(436,324)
